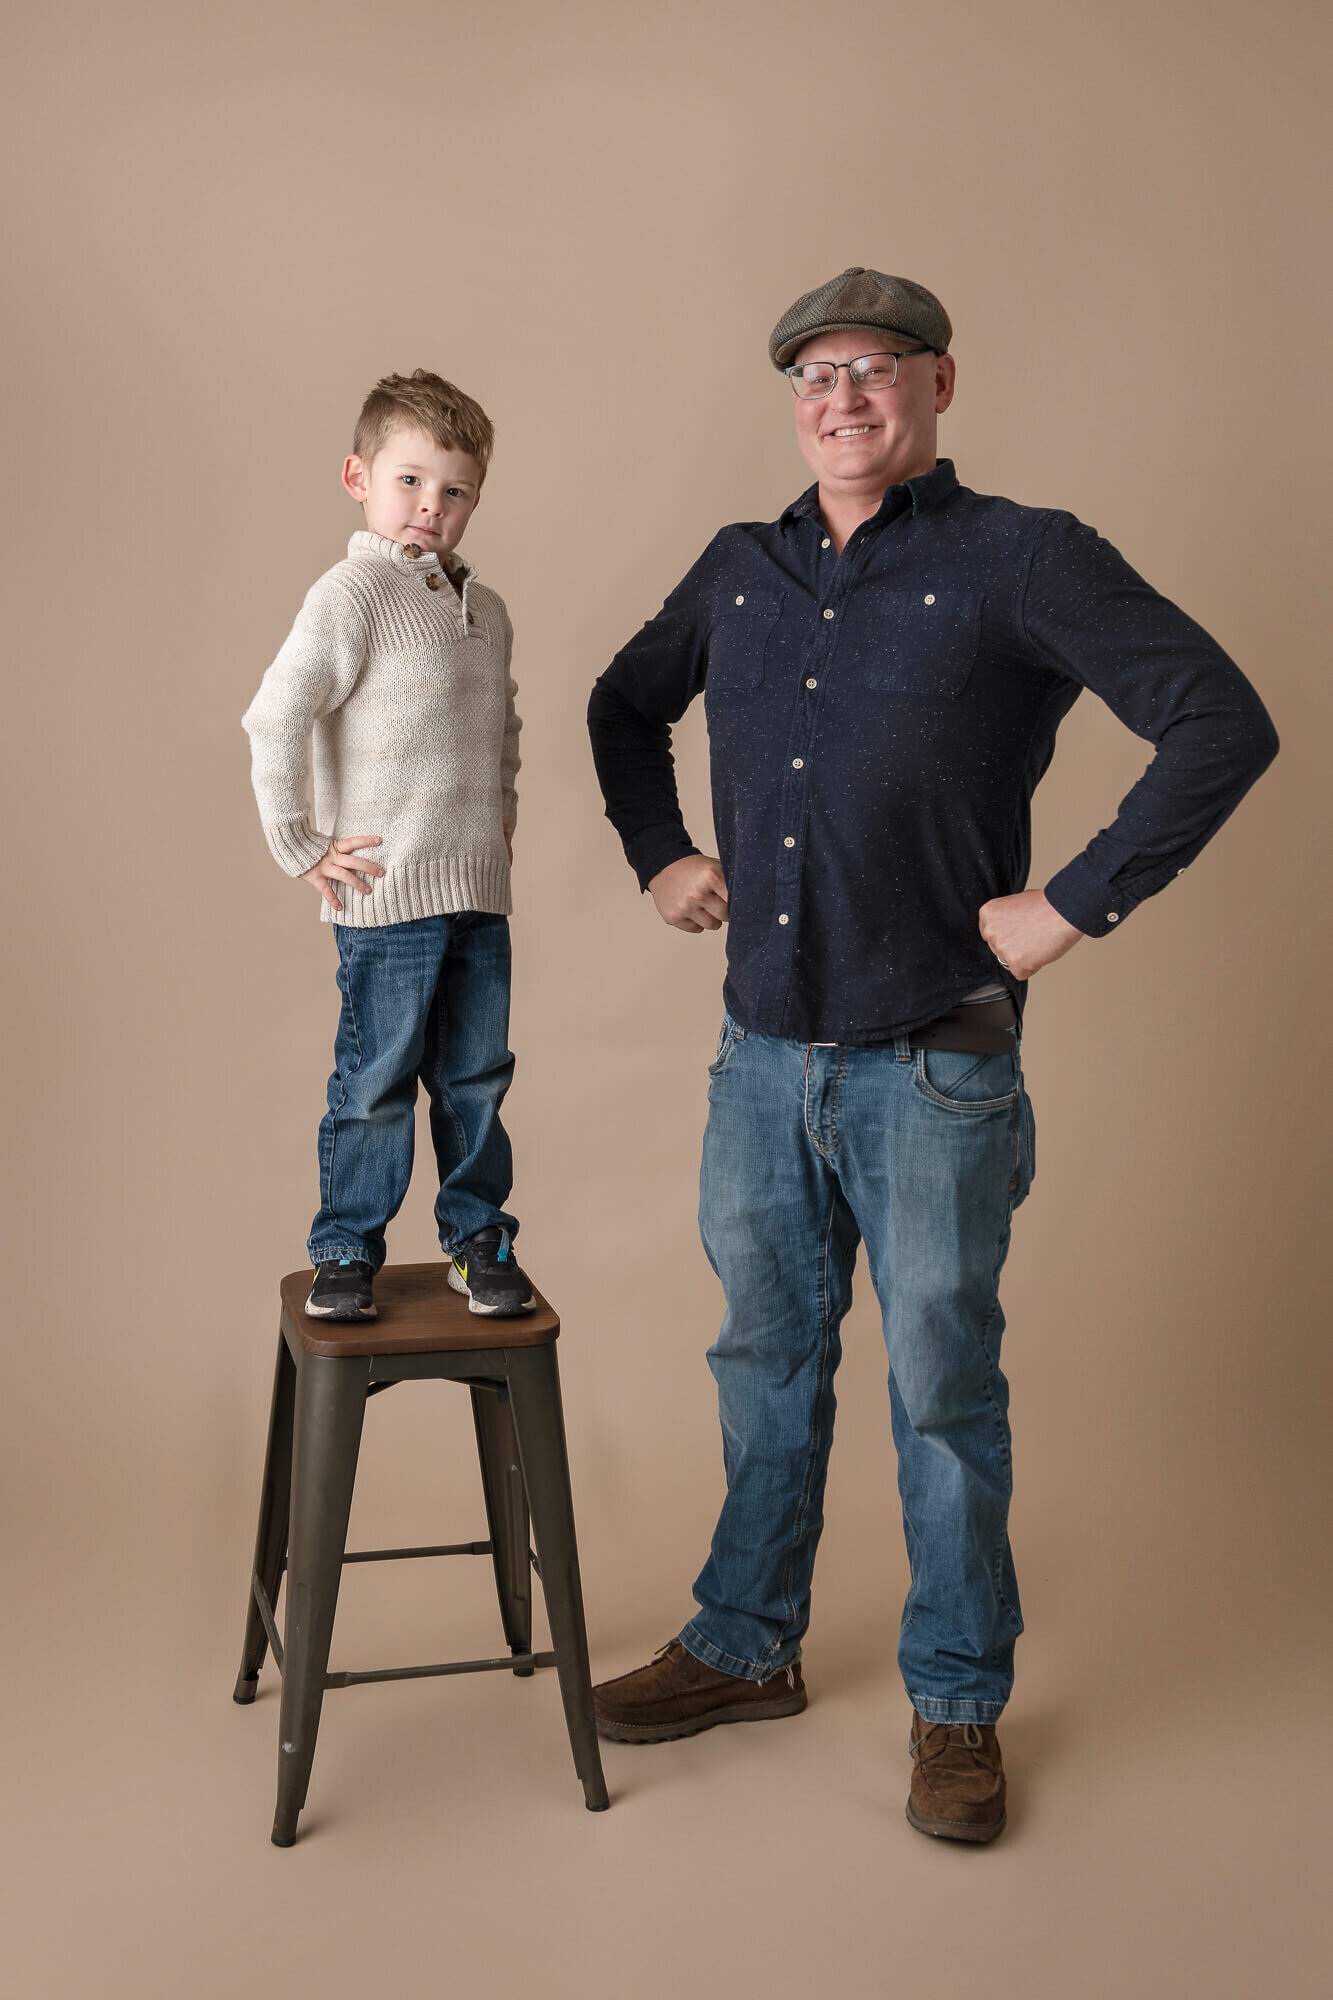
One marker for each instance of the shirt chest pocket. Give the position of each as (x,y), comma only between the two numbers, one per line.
(922,643)
(740,625)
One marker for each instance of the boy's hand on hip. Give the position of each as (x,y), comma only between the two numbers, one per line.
(1026,932)
(691,895)
(338,867)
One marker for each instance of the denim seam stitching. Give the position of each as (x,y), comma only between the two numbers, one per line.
(744,1669)
(835,1101)
(446,1105)
(986,1711)
(798,1526)
(333,1112)
(1006,1454)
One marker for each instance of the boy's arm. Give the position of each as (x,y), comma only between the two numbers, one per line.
(315,670)
(509,757)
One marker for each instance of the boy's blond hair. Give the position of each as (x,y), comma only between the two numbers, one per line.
(428,403)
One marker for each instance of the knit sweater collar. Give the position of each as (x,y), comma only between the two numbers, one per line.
(419,563)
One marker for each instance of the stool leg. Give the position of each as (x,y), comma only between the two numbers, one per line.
(274,1507)
(506,1516)
(534,1388)
(330,1409)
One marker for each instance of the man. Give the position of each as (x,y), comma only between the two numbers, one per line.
(884,668)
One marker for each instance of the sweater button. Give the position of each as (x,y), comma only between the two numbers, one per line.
(432,582)
(411,551)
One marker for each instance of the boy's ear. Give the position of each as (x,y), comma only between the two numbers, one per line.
(354,478)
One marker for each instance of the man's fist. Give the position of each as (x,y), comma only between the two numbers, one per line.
(691,894)
(1025,932)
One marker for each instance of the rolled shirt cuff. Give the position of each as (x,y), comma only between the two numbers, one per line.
(1083,899)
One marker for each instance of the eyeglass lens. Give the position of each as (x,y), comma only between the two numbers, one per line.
(868,371)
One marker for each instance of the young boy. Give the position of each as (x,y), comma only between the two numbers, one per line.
(398,667)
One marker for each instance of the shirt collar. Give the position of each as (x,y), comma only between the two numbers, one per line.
(927,489)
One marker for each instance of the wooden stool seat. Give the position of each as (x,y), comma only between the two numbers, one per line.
(418,1312)
(326,1373)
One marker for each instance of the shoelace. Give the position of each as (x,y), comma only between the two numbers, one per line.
(972,1738)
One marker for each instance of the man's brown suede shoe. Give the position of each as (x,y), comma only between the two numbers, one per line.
(677,1695)
(957,1780)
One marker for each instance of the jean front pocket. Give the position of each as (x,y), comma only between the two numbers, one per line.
(921,643)
(970,1084)
(727,1039)
(739,624)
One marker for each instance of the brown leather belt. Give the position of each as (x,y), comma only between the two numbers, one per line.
(986,1028)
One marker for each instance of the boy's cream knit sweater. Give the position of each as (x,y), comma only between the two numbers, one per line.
(405,690)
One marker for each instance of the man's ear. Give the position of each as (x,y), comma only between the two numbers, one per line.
(945,375)
(354,476)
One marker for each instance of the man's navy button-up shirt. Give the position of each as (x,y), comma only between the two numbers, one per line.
(878,723)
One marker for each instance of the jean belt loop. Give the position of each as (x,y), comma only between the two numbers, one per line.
(902,1048)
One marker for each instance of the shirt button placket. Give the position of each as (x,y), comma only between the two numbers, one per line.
(819,650)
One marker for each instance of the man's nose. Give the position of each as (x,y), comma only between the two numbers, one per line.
(846,395)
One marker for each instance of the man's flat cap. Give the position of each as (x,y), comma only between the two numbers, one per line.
(857,297)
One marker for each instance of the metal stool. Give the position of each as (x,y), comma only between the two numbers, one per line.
(325,1372)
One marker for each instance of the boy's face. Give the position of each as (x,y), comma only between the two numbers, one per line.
(414,490)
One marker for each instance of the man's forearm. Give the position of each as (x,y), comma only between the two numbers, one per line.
(637,774)
(1091,616)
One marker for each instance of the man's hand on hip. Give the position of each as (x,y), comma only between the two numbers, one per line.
(691,895)
(1025,932)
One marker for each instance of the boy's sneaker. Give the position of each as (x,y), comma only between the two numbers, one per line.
(486,1268)
(342,1290)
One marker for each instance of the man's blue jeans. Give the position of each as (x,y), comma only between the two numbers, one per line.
(925,1156)
(426,1001)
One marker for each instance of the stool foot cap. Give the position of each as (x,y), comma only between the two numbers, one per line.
(284,1829)
(245,1691)
(603,1806)
(522,1673)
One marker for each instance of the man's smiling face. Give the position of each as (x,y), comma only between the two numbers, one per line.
(858,440)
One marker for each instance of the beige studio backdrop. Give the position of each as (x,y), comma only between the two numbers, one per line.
(225,223)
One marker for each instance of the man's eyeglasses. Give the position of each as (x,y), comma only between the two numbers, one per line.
(868,371)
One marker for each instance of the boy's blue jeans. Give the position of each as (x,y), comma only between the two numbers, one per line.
(808,1150)
(421,1002)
